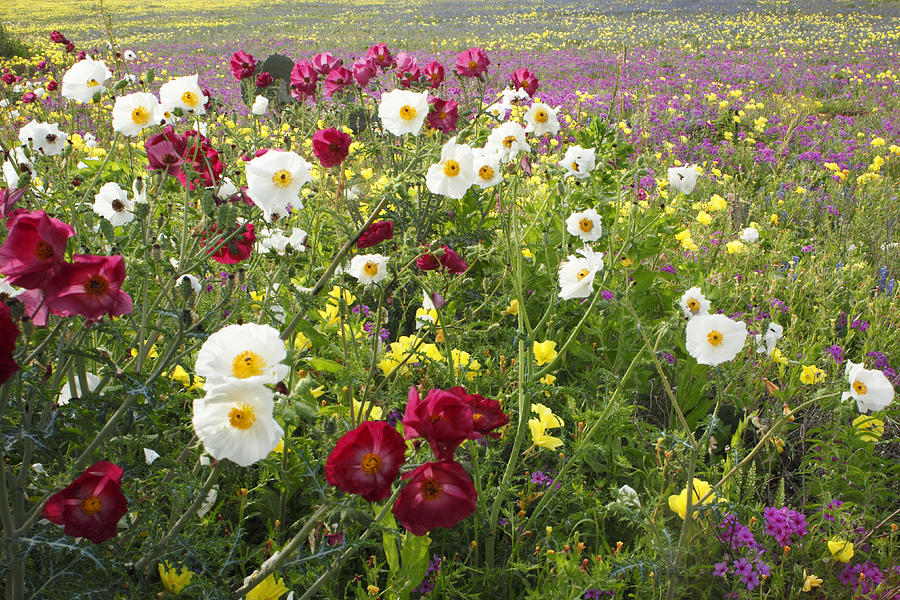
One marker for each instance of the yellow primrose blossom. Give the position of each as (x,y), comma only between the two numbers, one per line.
(704,218)
(464,364)
(174,580)
(548,379)
(539,426)
(269,589)
(812,374)
(301,342)
(878,142)
(359,408)
(513,308)
(544,352)
(151,354)
(527,253)
(810,582)
(184,378)
(841,549)
(778,357)
(279,447)
(869,428)
(735,247)
(678,503)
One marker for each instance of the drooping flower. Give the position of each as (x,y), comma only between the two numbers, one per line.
(34,249)
(331,146)
(487,415)
(184,93)
(90,506)
(368,268)
(544,352)
(90,286)
(364,70)
(250,352)
(135,112)
(871,389)
(472,62)
(242,65)
(714,339)
(172,579)
(683,179)
(577,273)
(236,249)
(678,503)
(507,141)
(235,420)
(765,342)
(869,429)
(447,259)
(165,151)
(540,425)
(403,111)
(366,460)
(84,80)
(111,202)
(337,80)
(274,181)
(578,162)
(523,79)
(585,224)
(438,494)
(541,119)
(810,582)
(694,303)
(453,175)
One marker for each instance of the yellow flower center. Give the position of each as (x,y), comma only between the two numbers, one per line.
(241,417)
(477,417)
(92,83)
(431,489)
(472,64)
(486,173)
(190,99)
(860,388)
(370,463)
(574,166)
(91,505)
(451,168)
(140,116)
(714,338)
(582,274)
(407,112)
(693,305)
(370,268)
(585,225)
(282,178)
(508,141)
(541,116)
(247,364)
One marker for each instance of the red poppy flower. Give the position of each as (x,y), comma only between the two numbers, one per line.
(325,62)
(434,73)
(35,307)
(303,80)
(472,62)
(9,331)
(92,505)
(366,460)
(89,286)
(337,80)
(331,146)
(444,418)
(443,114)
(264,80)
(204,161)
(450,260)
(438,495)
(242,65)
(34,249)
(486,415)
(523,79)
(165,151)
(381,55)
(236,249)
(375,234)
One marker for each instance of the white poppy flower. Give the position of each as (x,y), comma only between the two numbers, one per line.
(249,352)
(576,274)
(65,394)
(869,387)
(260,106)
(226,189)
(628,495)
(403,111)
(112,203)
(585,225)
(454,174)
(90,140)
(45,138)
(134,112)
(129,55)
(297,239)
(486,167)
(506,101)
(714,339)
(273,240)
(750,235)
(184,93)
(683,179)
(579,162)
(507,141)
(84,80)
(542,119)
(235,421)
(193,282)
(368,268)
(274,181)
(765,342)
(694,303)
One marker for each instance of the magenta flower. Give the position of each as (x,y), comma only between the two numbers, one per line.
(472,62)
(331,145)
(381,55)
(264,80)
(443,114)
(438,494)
(89,286)
(92,505)
(242,65)
(337,80)
(434,74)
(523,79)
(303,80)
(364,70)
(325,62)
(165,151)
(34,249)
(375,234)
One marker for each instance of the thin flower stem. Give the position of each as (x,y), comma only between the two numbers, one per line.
(561,352)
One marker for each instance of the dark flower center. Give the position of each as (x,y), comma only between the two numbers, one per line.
(118,206)
(91,505)
(96,286)
(431,489)
(43,250)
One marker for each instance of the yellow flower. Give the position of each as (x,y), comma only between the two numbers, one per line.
(841,549)
(151,354)
(869,428)
(173,580)
(809,582)
(678,503)
(464,363)
(316,392)
(704,218)
(735,247)
(269,589)
(527,253)
(878,142)
(180,375)
(279,447)
(375,413)
(513,308)
(812,374)
(539,426)
(778,357)
(544,352)
(716,203)
(301,342)
(548,379)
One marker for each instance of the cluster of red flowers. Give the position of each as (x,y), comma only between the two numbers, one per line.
(366,460)
(33,257)
(171,152)
(90,506)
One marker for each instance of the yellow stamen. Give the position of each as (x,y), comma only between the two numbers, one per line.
(247,364)
(451,168)
(241,417)
(714,338)
(282,178)
(407,112)
(370,463)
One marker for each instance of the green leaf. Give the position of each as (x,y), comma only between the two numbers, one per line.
(389,540)
(414,562)
(324,364)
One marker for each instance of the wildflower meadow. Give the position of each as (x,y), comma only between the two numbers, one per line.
(554,300)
